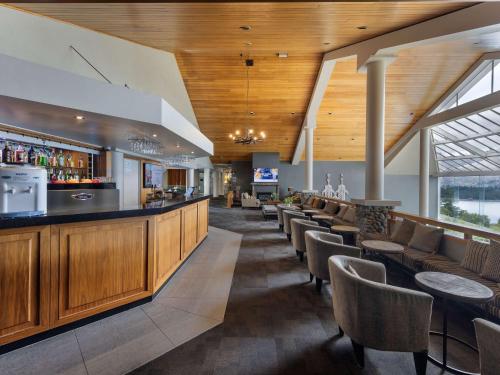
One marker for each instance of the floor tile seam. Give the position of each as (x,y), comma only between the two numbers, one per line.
(156,325)
(81,352)
(193,313)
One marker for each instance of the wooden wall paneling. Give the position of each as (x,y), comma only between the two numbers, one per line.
(189,229)
(202,220)
(99,265)
(24,282)
(176,177)
(168,246)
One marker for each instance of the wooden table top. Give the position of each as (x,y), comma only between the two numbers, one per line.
(311,211)
(383,246)
(323,217)
(344,228)
(454,287)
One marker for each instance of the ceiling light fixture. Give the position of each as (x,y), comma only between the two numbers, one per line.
(363,27)
(79,117)
(326,43)
(282,55)
(178,145)
(154,135)
(292,113)
(330,113)
(248,137)
(246,27)
(248,44)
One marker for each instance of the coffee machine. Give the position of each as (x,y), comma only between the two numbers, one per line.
(23,190)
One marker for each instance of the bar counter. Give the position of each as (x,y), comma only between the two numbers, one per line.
(59,268)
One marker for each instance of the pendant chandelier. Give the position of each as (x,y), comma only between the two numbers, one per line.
(145,146)
(247,137)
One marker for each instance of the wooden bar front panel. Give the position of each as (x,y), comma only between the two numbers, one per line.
(168,249)
(24,282)
(100,265)
(189,229)
(202,220)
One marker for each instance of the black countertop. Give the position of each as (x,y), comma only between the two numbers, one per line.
(30,219)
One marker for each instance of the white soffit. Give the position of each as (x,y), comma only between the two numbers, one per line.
(46,100)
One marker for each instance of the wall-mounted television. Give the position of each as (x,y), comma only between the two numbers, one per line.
(265,175)
(153,175)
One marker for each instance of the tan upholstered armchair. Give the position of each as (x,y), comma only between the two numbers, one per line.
(377,315)
(488,342)
(281,208)
(287,216)
(299,228)
(320,246)
(249,201)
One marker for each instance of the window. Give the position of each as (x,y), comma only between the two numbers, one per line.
(472,201)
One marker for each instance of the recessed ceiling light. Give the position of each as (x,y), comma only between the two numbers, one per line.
(246,27)
(411,114)
(177,145)
(326,43)
(282,55)
(363,27)
(292,113)
(192,152)
(154,135)
(252,113)
(248,43)
(79,117)
(330,113)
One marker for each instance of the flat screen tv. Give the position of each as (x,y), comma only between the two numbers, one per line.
(265,175)
(153,175)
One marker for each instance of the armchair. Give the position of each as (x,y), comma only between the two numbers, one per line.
(287,216)
(249,201)
(281,208)
(377,315)
(321,246)
(488,342)
(299,228)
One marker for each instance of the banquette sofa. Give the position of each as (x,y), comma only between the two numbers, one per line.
(330,211)
(428,248)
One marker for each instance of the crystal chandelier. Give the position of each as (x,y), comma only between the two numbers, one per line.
(178,160)
(248,137)
(145,146)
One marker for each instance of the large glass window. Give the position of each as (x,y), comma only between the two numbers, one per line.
(471,201)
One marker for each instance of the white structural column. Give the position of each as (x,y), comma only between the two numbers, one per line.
(424,172)
(206,181)
(309,171)
(215,183)
(190,177)
(375,118)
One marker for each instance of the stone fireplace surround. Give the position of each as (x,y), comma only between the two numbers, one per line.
(266,188)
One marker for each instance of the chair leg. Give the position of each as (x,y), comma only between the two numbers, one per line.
(311,277)
(289,236)
(341,332)
(319,284)
(359,353)
(301,256)
(420,359)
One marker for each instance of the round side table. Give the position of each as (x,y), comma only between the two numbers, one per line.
(348,233)
(451,287)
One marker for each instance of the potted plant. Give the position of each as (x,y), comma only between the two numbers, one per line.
(288,201)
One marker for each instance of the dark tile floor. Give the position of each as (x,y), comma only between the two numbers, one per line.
(275,323)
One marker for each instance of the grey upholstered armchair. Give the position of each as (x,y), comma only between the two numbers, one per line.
(299,228)
(377,315)
(287,216)
(281,208)
(320,246)
(488,342)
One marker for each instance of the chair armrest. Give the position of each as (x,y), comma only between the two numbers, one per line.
(372,271)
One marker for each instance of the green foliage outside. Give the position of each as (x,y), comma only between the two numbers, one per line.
(449,209)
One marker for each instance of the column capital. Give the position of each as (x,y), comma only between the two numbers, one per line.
(385,59)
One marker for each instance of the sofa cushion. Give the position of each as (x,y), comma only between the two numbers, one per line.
(426,238)
(475,256)
(341,212)
(413,259)
(318,203)
(309,199)
(350,215)
(403,232)
(331,207)
(491,268)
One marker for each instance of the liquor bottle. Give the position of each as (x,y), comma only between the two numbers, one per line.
(61,159)
(53,158)
(76,176)
(19,154)
(7,154)
(80,162)
(69,160)
(60,176)
(32,156)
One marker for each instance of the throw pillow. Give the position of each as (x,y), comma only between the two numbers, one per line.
(426,238)
(331,207)
(352,270)
(313,202)
(491,268)
(342,211)
(475,256)
(404,233)
(350,215)
(309,200)
(317,203)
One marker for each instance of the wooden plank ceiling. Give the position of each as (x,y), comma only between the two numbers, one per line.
(208,41)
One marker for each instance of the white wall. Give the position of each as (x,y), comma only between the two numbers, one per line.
(46,41)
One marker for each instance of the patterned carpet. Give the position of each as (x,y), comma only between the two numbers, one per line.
(275,323)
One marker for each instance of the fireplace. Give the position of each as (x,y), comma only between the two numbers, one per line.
(264,196)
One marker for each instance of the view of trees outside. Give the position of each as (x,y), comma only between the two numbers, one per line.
(472,201)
